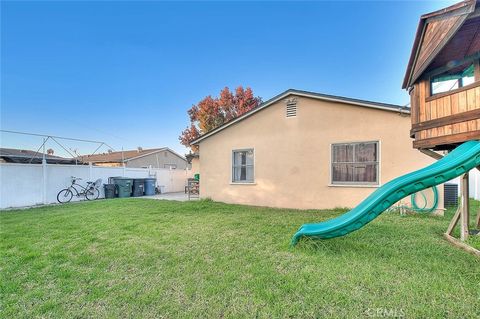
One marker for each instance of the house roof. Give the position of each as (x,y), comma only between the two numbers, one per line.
(15,155)
(432,40)
(313,95)
(125,156)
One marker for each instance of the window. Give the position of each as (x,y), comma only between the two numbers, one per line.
(355,163)
(452,79)
(242,166)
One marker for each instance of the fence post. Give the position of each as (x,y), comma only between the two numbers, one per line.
(44,177)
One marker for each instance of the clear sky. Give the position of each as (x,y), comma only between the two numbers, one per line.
(126,72)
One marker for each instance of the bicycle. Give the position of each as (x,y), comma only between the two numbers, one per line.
(90,192)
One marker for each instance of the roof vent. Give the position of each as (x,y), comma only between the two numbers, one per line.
(291,109)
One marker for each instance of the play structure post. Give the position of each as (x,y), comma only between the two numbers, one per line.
(465,210)
(477,221)
(462,215)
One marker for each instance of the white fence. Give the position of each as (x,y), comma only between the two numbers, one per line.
(474,183)
(32,184)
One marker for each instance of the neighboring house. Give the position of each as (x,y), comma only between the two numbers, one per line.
(140,158)
(307,150)
(13,155)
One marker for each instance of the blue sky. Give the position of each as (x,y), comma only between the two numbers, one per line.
(126,72)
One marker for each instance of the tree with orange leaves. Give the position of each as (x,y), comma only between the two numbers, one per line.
(212,112)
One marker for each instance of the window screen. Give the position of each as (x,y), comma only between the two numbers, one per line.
(243,166)
(355,163)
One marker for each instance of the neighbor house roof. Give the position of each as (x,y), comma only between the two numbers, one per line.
(125,156)
(14,155)
(434,32)
(313,95)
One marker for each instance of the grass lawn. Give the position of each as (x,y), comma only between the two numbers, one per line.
(147,258)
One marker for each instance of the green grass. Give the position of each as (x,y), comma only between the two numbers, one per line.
(473,241)
(145,258)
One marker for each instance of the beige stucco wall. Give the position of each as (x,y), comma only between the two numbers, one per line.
(195,165)
(292,155)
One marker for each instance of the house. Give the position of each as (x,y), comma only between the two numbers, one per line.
(13,155)
(307,150)
(140,158)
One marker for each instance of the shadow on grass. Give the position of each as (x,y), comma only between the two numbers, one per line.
(345,247)
(380,240)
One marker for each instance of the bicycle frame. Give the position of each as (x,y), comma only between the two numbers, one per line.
(81,192)
(90,191)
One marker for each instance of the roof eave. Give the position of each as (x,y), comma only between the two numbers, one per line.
(409,79)
(157,151)
(146,154)
(413,53)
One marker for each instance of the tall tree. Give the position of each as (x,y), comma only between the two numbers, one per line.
(211,112)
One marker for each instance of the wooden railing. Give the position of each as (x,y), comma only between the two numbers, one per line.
(449,114)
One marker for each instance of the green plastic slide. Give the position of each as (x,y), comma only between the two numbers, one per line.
(462,159)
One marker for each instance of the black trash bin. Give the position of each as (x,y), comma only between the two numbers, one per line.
(138,187)
(109,190)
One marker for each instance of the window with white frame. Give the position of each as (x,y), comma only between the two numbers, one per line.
(355,163)
(243,166)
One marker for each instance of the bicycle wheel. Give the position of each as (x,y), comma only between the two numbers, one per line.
(64,196)
(92,194)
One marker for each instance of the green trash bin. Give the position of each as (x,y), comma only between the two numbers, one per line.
(196,177)
(124,186)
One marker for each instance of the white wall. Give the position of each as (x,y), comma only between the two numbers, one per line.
(32,184)
(475,184)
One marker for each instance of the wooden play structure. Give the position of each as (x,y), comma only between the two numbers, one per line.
(443,80)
